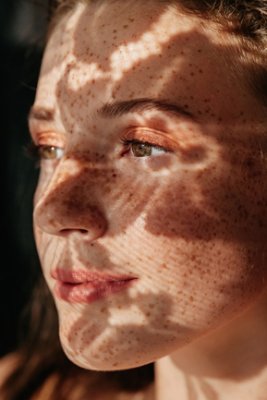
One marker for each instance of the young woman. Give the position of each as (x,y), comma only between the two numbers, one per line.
(150,214)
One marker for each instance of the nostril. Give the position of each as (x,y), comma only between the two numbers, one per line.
(66,231)
(83,230)
(52,216)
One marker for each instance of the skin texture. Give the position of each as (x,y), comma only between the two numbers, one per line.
(189,221)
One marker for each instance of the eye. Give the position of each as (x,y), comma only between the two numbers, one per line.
(42,152)
(50,152)
(143,149)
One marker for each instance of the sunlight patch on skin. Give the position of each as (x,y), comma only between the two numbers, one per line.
(178,166)
(82,73)
(54,257)
(130,315)
(133,315)
(151,43)
(126,56)
(68,170)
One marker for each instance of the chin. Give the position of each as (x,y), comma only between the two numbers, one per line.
(95,359)
(103,362)
(109,359)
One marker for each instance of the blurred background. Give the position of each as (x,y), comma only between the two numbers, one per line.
(23,26)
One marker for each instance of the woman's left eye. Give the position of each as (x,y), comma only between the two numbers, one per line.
(46,152)
(144,149)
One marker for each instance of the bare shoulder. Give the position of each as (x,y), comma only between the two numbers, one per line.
(7,364)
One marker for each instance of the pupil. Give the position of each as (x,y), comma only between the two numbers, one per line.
(48,152)
(141,149)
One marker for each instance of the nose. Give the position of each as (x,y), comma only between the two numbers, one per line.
(70,206)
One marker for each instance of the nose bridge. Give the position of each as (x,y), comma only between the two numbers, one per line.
(67,171)
(71,201)
(75,177)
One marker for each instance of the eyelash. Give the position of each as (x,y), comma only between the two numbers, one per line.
(33,151)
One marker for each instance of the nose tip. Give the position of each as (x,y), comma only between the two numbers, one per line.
(54,218)
(72,201)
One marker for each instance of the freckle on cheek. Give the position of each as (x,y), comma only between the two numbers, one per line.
(164,266)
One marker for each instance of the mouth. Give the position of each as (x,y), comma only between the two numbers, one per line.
(88,286)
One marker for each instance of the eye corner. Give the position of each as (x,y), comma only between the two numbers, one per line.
(30,150)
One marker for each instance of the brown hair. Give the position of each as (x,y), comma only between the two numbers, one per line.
(247,20)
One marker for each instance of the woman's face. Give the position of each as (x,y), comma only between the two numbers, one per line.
(150,213)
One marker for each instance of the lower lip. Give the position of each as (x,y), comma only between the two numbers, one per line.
(88,292)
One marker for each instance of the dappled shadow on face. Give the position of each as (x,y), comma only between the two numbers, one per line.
(219,200)
(112,336)
(93,196)
(226,201)
(212,188)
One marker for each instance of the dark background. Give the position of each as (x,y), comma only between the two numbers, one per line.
(22,34)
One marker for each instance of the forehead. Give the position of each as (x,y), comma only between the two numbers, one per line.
(124,50)
(118,38)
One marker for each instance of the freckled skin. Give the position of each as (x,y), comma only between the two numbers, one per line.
(191,225)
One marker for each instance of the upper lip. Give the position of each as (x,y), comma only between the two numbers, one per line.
(81,276)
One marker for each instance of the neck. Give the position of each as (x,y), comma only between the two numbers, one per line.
(229,363)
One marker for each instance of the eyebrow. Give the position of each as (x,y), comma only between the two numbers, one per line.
(41,114)
(119,108)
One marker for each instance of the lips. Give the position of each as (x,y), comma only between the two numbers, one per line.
(88,286)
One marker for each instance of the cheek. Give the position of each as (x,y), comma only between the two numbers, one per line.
(208,282)
(41,241)
(50,250)
(224,203)
(194,283)
(201,239)
(187,290)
